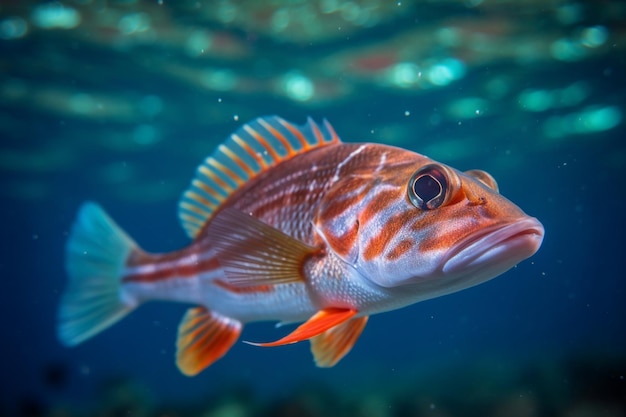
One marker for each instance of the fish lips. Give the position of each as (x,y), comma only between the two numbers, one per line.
(495,250)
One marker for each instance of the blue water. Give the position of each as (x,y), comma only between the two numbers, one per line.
(554,319)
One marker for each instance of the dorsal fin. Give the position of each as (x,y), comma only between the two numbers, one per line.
(255,147)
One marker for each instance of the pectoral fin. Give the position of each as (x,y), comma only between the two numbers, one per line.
(254,253)
(316,325)
(329,347)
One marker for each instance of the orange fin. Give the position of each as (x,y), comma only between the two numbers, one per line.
(253,253)
(319,323)
(335,343)
(253,149)
(203,338)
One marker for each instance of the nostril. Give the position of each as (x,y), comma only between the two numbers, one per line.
(473,199)
(476,201)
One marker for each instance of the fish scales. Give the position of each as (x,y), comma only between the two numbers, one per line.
(290,224)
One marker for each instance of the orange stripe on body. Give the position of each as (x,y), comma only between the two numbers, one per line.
(243,290)
(379,242)
(336,208)
(378,204)
(340,203)
(179,271)
(342,245)
(440,235)
(400,249)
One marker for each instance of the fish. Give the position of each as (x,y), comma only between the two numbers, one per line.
(292,225)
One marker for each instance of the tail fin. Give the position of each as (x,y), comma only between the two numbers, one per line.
(95,256)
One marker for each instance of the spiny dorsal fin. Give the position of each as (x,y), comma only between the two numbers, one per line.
(254,148)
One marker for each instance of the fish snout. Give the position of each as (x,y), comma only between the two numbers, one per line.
(493,251)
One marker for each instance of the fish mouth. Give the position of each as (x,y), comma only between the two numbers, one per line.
(495,250)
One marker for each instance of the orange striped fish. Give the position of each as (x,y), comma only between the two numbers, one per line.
(289,224)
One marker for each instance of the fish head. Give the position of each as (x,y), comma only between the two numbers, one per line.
(422,224)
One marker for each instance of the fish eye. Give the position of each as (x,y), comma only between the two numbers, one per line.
(428,187)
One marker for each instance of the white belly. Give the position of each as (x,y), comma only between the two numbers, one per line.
(285,302)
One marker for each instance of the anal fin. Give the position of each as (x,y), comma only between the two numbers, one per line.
(329,347)
(204,337)
(317,324)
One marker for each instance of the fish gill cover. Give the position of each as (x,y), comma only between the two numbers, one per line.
(119,101)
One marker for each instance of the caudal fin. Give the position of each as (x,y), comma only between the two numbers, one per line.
(96,253)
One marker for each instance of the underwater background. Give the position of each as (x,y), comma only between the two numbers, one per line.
(119,101)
